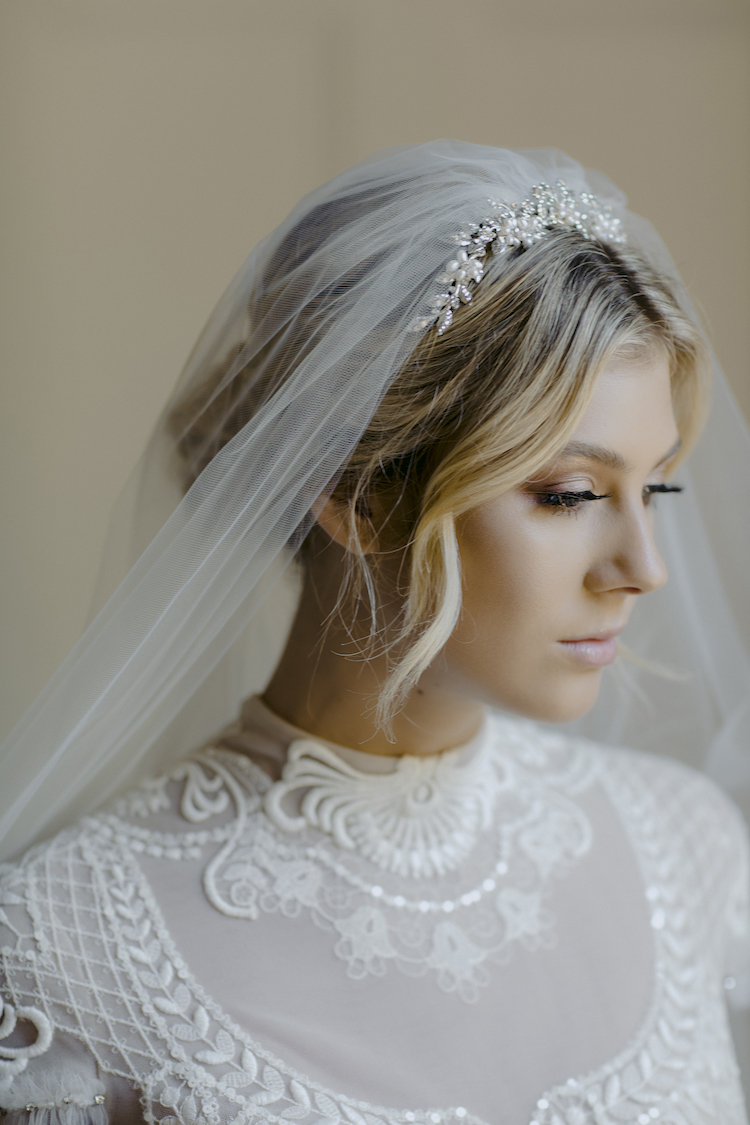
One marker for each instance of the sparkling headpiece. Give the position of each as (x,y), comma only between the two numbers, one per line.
(512,225)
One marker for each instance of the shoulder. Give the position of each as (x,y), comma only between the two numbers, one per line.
(79,930)
(39,1066)
(696,834)
(212,783)
(677,793)
(44,1070)
(184,813)
(89,870)
(664,805)
(192,804)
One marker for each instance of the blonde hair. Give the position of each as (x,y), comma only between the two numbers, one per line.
(472,414)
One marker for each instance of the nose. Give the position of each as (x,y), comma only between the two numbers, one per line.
(631,561)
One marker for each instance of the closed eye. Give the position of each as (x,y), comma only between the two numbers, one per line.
(568,499)
(572,500)
(655,489)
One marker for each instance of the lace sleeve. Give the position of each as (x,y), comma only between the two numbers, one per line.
(45,1078)
(737,964)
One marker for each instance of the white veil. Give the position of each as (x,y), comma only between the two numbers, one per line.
(198,619)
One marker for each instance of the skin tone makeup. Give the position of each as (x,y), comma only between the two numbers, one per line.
(551,572)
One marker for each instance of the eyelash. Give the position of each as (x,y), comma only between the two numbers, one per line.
(573,500)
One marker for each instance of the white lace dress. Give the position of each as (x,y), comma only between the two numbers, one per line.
(530,929)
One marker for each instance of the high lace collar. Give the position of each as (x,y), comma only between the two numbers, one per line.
(261,732)
(413,816)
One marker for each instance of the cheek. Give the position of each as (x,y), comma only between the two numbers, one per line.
(519,574)
(523,591)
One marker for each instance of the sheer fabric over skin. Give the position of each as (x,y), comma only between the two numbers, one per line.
(622,904)
(302,1003)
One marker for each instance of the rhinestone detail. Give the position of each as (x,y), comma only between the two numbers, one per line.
(512,226)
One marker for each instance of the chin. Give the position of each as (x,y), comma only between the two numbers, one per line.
(557,703)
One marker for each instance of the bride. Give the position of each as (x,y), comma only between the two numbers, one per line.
(445,395)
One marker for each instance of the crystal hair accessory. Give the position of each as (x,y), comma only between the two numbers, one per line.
(514,225)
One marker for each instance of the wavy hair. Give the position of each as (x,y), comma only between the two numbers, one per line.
(471,414)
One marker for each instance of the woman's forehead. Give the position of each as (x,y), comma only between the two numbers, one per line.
(630,416)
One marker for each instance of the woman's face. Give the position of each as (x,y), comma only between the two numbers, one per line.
(551,578)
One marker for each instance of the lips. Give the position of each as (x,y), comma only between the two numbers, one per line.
(594,651)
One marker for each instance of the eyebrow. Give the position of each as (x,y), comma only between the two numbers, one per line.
(592,452)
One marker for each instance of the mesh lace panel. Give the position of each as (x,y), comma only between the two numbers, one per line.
(84,944)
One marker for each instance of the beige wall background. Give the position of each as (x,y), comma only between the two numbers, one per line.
(147,144)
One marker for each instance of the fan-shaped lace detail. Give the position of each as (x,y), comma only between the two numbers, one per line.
(83,942)
(379,918)
(421,820)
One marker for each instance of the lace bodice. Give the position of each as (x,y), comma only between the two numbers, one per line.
(304,950)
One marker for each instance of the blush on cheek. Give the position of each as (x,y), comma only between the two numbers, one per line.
(522,593)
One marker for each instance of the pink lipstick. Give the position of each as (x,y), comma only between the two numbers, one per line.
(595,651)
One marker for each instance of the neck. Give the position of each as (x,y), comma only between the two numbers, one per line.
(318,687)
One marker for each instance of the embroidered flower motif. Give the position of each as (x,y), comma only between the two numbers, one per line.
(245,881)
(202,796)
(132,987)
(364,943)
(150,797)
(525,920)
(376,919)
(564,833)
(457,961)
(296,884)
(421,820)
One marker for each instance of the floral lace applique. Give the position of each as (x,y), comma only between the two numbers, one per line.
(90,949)
(119,986)
(372,857)
(421,820)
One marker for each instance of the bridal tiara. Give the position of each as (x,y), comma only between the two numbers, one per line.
(512,225)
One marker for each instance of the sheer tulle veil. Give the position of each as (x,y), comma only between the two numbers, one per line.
(197,620)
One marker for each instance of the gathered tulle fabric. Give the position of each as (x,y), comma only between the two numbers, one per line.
(59,1115)
(200,614)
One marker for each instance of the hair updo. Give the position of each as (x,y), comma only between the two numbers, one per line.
(470,414)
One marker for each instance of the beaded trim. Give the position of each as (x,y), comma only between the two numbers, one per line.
(99,1099)
(515,225)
